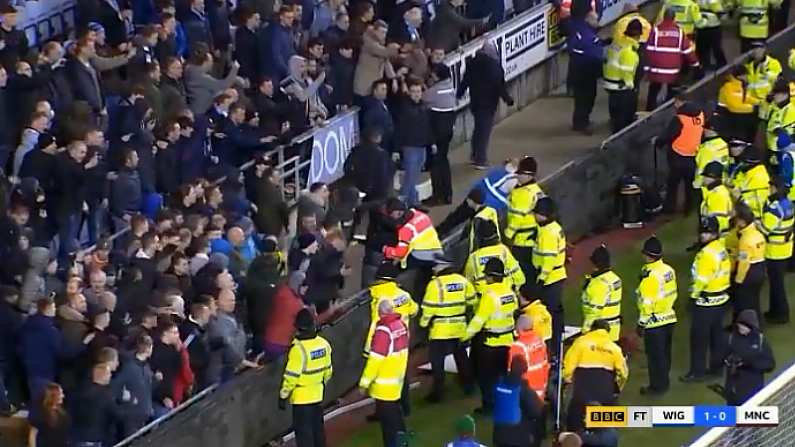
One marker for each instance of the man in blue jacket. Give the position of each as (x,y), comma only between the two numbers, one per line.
(278,45)
(586,55)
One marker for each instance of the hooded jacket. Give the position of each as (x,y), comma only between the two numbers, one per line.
(33,284)
(41,345)
(748,358)
(260,288)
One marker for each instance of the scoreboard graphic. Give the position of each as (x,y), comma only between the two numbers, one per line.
(671,416)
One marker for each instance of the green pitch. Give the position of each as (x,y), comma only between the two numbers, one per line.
(433,423)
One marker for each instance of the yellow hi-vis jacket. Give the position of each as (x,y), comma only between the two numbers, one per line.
(750,250)
(735,98)
(486,213)
(595,350)
(494,315)
(711,13)
(777,225)
(520,222)
(385,369)
(307,371)
(549,254)
(601,300)
(717,202)
(688,15)
(761,76)
(620,28)
(542,319)
(444,306)
(780,118)
(404,305)
(712,149)
(473,270)
(754,19)
(621,64)
(711,274)
(755,188)
(656,294)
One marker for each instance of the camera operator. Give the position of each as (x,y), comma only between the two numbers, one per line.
(748,358)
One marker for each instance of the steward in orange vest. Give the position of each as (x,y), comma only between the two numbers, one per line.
(682,137)
(531,347)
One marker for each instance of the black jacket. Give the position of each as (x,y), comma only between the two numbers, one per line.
(370,168)
(413,124)
(85,83)
(199,351)
(7,137)
(747,359)
(125,193)
(381,230)
(262,279)
(247,53)
(341,79)
(375,113)
(16,48)
(323,278)
(136,377)
(173,94)
(70,179)
(168,361)
(95,412)
(273,215)
(272,113)
(115,29)
(166,167)
(197,30)
(485,80)
(41,166)
(11,320)
(218,15)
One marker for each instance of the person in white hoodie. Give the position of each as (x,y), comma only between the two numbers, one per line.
(38,124)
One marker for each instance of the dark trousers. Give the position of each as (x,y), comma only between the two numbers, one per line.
(131,423)
(779,307)
(622,105)
(709,46)
(747,45)
(551,297)
(654,92)
(706,334)
(524,256)
(437,351)
(590,385)
(5,405)
(492,363)
(441,179)
(308,425)
(680,170)
(657,343)
(481,134)
(390,416)
(584,86)
(779,17)
(746,295)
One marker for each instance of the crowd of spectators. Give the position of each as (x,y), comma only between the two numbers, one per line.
(140,122)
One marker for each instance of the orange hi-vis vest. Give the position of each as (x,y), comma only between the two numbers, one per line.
(565,8)
(686,144)
(532,348)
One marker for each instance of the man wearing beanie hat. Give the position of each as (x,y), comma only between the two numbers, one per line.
(549,260)
(619,73)
(776,224)
(753,185)
(465,433)
(716,198)
(601,296)
(521,226)
(656,292)
(306,373)
(488,239)
(709,291)
(307,247)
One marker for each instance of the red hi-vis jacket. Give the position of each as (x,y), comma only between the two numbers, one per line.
(667,49)
(385,369)
(533,350)
(417,237)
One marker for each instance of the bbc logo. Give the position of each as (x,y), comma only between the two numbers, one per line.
(617,417)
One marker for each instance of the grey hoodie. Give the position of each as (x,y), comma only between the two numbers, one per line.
(33,284)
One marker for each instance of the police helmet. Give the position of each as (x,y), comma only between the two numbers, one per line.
(387,271)
(713,169)
(528,166)
(494,267)
(709,225)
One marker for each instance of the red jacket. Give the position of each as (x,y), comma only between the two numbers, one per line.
(666,51)
(280,322)
(394,339)
(184,380)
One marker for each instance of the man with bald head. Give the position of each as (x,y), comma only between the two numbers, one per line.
(224,326)
(238,259)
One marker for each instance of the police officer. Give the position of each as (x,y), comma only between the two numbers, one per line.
(385,371)
(716,198)
(749,273)
(752,185)
(619,74)
(308,370)
(444,311)
(748,358)
(781,115)
(754,21)
(549,260)
(777,225)
(491,247)
(494,316)
(596,367)
(687,15)
(737,107)
(472,210)
(709,37)
(521,226)
(711,273)
(762,71)
(712,148)
(601,296)
(657,293)
(531,305)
